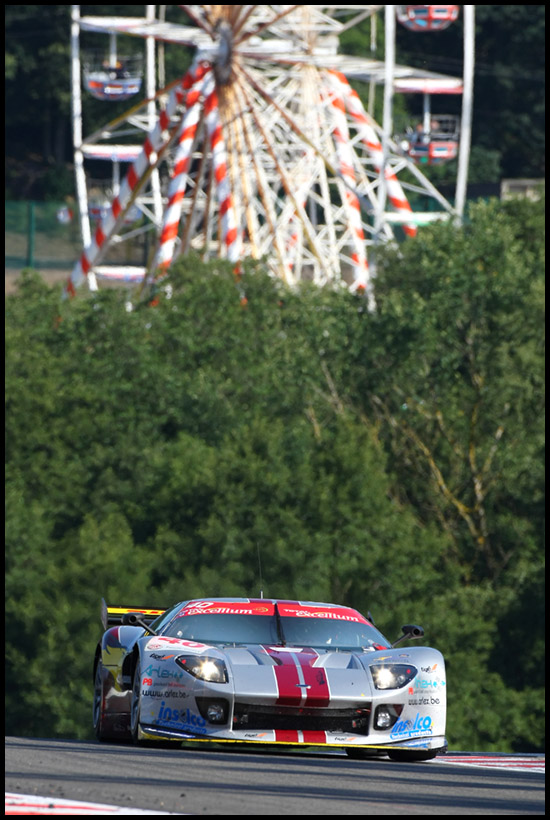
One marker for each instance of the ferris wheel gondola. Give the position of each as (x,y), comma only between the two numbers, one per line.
(436,145)
(113,80)
(427,18)
(266,150)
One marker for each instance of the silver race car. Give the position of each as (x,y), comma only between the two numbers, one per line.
(267,671)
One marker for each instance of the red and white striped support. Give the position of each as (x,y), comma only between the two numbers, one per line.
(344,154)
(370,139)
(230,232)
(182,159)
(154,143)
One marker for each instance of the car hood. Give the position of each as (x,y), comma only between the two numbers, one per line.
(297,676)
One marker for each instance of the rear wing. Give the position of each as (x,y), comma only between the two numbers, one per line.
(112,615)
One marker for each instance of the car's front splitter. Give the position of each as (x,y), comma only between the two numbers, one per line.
(296,738)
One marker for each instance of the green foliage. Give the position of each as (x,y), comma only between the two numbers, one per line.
(468,376)
(291,442)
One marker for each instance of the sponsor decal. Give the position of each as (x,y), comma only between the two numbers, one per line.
(226,608)
(160,672)
(184,718)
(424,701)
(411,728)
(121,610)
(164,693)
(422,683)
(419,744)
(340,614)
(159,642)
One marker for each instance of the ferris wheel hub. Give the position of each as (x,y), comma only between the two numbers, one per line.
(224,53)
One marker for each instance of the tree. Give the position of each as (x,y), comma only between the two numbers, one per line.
(291,441)
(461,317)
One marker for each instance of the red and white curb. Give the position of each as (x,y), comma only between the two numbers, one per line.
(27,804)
(512,763)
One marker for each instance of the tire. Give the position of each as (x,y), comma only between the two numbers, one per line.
(362,754)
(404,756)
(135,707)
(98,714)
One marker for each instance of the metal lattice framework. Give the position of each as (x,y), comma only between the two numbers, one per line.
(266,148)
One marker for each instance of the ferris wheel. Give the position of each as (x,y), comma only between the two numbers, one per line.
(261,149)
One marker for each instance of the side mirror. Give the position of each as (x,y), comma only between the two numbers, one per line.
(411,632)
(135,619)
(131,618)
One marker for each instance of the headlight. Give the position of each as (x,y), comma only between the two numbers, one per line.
(212,670)
(392,676)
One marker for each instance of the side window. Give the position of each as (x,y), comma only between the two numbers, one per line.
(165,618)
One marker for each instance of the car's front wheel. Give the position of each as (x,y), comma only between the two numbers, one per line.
(135,707)
(406,756)
(362,754)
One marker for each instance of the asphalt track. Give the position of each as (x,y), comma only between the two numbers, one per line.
(208,780)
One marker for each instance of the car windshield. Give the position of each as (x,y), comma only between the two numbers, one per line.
(326,633)
(226,628)
(321,633)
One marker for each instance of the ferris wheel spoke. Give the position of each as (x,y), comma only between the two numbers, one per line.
(321,177)
(195,17)
(129,115)
(268,233)
(242,19)
(289,119)
(288,188)
(267,24)
(241,173)
(313,144)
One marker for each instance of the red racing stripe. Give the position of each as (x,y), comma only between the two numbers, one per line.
(318,692)
(299,683)
(314,737)
(286,736)
(286,675)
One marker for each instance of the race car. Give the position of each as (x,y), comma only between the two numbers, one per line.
(269,671)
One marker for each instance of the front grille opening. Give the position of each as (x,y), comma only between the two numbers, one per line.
(254,717)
